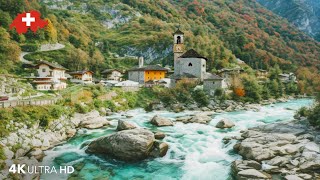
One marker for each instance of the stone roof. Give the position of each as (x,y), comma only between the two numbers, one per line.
(53,65)
(79,72)
(209,76)
(230,69)
(109,71)
(184,75)
(191,53)
(149,68)
(178,31)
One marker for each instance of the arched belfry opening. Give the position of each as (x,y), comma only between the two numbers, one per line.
(190,64)
(179,40)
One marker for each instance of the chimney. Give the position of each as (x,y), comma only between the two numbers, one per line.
(140,62)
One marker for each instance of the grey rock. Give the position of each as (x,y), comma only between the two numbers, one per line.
(159,135)
(292,177)
(8,153)
(123,125)
(128,145)
(252,174)
(159,149)
(161,121)
(225,123)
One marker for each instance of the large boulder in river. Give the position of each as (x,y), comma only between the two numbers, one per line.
(161,121)
(225,123)
(123,125)
(128,145)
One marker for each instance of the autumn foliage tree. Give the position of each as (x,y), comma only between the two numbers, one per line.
(239,92)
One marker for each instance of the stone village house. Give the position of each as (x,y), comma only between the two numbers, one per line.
(142,74)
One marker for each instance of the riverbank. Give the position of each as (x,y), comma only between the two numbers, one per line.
(288,151)
(27,145)
(222,106)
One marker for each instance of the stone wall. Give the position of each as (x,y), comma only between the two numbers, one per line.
(39,102)
(210,85)
(137,76)
(197,69)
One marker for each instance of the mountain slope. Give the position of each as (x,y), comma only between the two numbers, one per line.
(304,14)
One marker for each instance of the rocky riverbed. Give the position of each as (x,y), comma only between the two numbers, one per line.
(31,144)
(195,147)
(216,106)
(27,145)
(288,151)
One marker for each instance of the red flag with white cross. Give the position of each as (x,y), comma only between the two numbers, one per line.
(28,20)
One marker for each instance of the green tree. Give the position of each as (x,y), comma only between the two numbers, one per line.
(252,89)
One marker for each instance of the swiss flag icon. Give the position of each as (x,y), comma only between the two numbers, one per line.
(27,20)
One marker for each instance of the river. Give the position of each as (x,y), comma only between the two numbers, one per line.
(196,150)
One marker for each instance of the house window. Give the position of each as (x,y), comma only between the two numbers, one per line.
(43,70)
(190,64)
(203,65)
(213,82)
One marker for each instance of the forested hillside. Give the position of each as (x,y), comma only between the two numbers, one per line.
(100,34)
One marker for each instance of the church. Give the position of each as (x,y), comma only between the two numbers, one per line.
(191,65)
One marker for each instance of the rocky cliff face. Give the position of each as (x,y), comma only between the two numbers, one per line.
(305,14)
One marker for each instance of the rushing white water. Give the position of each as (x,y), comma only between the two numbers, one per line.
(196,150)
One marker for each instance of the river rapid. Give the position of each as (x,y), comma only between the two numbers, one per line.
(196,151)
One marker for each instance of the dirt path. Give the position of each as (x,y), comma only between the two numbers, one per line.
(44,47)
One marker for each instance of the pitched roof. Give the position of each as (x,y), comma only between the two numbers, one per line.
(53,65)
(191,53)
(109,71)
(79,72)
(209,76)
(149,68)
(184,75)
(178,31)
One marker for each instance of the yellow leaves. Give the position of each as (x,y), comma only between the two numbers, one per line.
(51,31)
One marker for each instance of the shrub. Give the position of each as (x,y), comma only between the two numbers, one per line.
(110,105)
(303,112)
(314,116)
(201,98)
(81,108)
(98,103)
(44,121)
(29,47)
(57,111)
(167,98)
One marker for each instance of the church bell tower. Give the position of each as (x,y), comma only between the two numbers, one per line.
(178,46)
